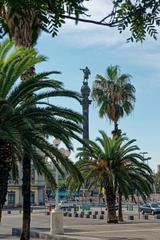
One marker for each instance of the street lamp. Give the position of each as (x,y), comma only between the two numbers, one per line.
(66,153)
(147,159)
(56,220)
(143,153)
(56,143)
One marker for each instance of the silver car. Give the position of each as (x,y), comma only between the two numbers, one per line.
(150,208)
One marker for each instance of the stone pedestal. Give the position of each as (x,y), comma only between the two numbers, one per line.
(56,222)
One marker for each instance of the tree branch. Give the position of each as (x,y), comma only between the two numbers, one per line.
(112,24)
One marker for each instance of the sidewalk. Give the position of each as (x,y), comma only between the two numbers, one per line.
(85,229)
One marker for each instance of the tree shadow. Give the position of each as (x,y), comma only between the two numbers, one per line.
(126,238)
(5,236)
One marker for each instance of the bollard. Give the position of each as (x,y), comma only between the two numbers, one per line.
(130,217)
(101,216)
(157,216)
(81,215)
(56,222)
(145,217)
(76,214)
(69,214)
(9,211)
(50,208)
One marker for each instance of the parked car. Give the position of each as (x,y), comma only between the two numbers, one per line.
(150,208)
(67,204)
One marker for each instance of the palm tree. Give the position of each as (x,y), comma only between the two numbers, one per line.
(115,97)
(24,20)
(26,118)
(114,163)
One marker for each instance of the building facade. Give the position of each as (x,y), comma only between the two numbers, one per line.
(14,196)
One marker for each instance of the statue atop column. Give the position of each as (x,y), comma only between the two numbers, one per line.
(86,72)
(85,102)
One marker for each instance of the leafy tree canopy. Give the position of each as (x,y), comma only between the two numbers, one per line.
(51,13)
(140,16)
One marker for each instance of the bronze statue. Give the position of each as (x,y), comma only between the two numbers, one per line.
(86,72)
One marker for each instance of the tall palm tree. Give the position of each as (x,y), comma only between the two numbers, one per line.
(115,97)
(113,163)
(24,20)
(26,118)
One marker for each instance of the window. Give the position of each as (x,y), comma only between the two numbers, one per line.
(11,198)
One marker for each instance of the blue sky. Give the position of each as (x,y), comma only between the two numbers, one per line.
(98,47)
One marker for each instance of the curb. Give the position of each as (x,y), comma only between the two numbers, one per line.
(17,232)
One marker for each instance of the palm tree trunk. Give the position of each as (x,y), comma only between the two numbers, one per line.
(23,32)
(120,213)
(111,201)
(26,190)
(116,132)
(26,40)
(4,175)
(5,168)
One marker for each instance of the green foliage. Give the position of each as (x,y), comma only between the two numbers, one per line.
(26,117)
(63,185)
(114,94)
(140,16)
(115,162)
(50,13)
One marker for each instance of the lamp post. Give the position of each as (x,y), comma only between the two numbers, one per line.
(143,153)
(56,220)
(56,143)
(145,159)
(66,153)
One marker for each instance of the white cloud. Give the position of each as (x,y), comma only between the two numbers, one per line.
(96,12)
(86,34)
(99,9)
(83,39)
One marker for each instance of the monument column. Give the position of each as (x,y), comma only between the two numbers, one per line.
(85,91)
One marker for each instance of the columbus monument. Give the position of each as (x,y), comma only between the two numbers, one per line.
(85,91)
